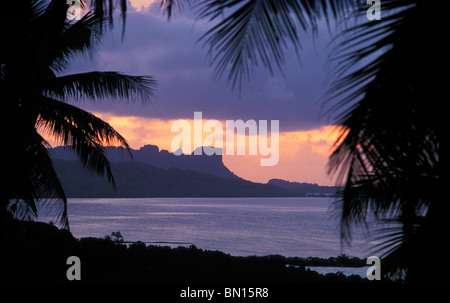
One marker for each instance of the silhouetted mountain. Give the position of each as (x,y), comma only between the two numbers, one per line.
(155,173)
(139,180)
(150,154)
(305,189)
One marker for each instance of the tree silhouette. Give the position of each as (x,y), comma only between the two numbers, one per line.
(388,155)
(40,42)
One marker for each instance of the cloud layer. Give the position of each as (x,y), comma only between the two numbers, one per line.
(172,53)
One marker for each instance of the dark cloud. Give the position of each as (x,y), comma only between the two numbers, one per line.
(170,51)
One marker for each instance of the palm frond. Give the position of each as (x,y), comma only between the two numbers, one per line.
(45,30)
(78,38)
(54,39)
(260,31)
(106,8)
(249,35)
(34,180)
(102,85)
(368,44)
(389,155)
(390,239)
(81,132)
(170,7)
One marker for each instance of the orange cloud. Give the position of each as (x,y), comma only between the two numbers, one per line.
(141,131)
(141,5)
(303,157)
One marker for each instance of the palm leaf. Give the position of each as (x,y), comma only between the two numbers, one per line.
(77,38)
(260,31)
(34,181)
(169,7)
(105,9)
(54,40)
(81,132)
(369,43)
(388,156)
(102,85)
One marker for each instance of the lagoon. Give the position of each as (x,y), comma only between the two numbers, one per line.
(299,226)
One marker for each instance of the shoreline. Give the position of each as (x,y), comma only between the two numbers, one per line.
(291,227)
(38,251)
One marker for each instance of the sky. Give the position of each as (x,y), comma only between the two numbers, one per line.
(170,51)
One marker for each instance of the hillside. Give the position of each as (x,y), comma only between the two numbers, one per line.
(141,180)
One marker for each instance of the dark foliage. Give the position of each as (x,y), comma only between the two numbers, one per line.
(40,43)
(37,252)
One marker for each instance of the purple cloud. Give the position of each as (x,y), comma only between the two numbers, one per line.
(170,51)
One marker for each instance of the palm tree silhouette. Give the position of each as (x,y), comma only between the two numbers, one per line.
(40,44)
(388,155)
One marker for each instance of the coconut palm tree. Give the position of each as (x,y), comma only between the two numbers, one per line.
(40,42)
(388,154)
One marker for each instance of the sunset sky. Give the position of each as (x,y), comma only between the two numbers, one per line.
(171,52)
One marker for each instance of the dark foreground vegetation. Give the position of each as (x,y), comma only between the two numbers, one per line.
(38,252)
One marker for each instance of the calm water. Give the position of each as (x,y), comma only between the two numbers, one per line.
(239,226)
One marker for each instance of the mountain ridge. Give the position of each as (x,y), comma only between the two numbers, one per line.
(303,188)
(141,180)
(157,173)
(151,154)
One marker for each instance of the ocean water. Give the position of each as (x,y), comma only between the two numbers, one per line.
(240,226)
